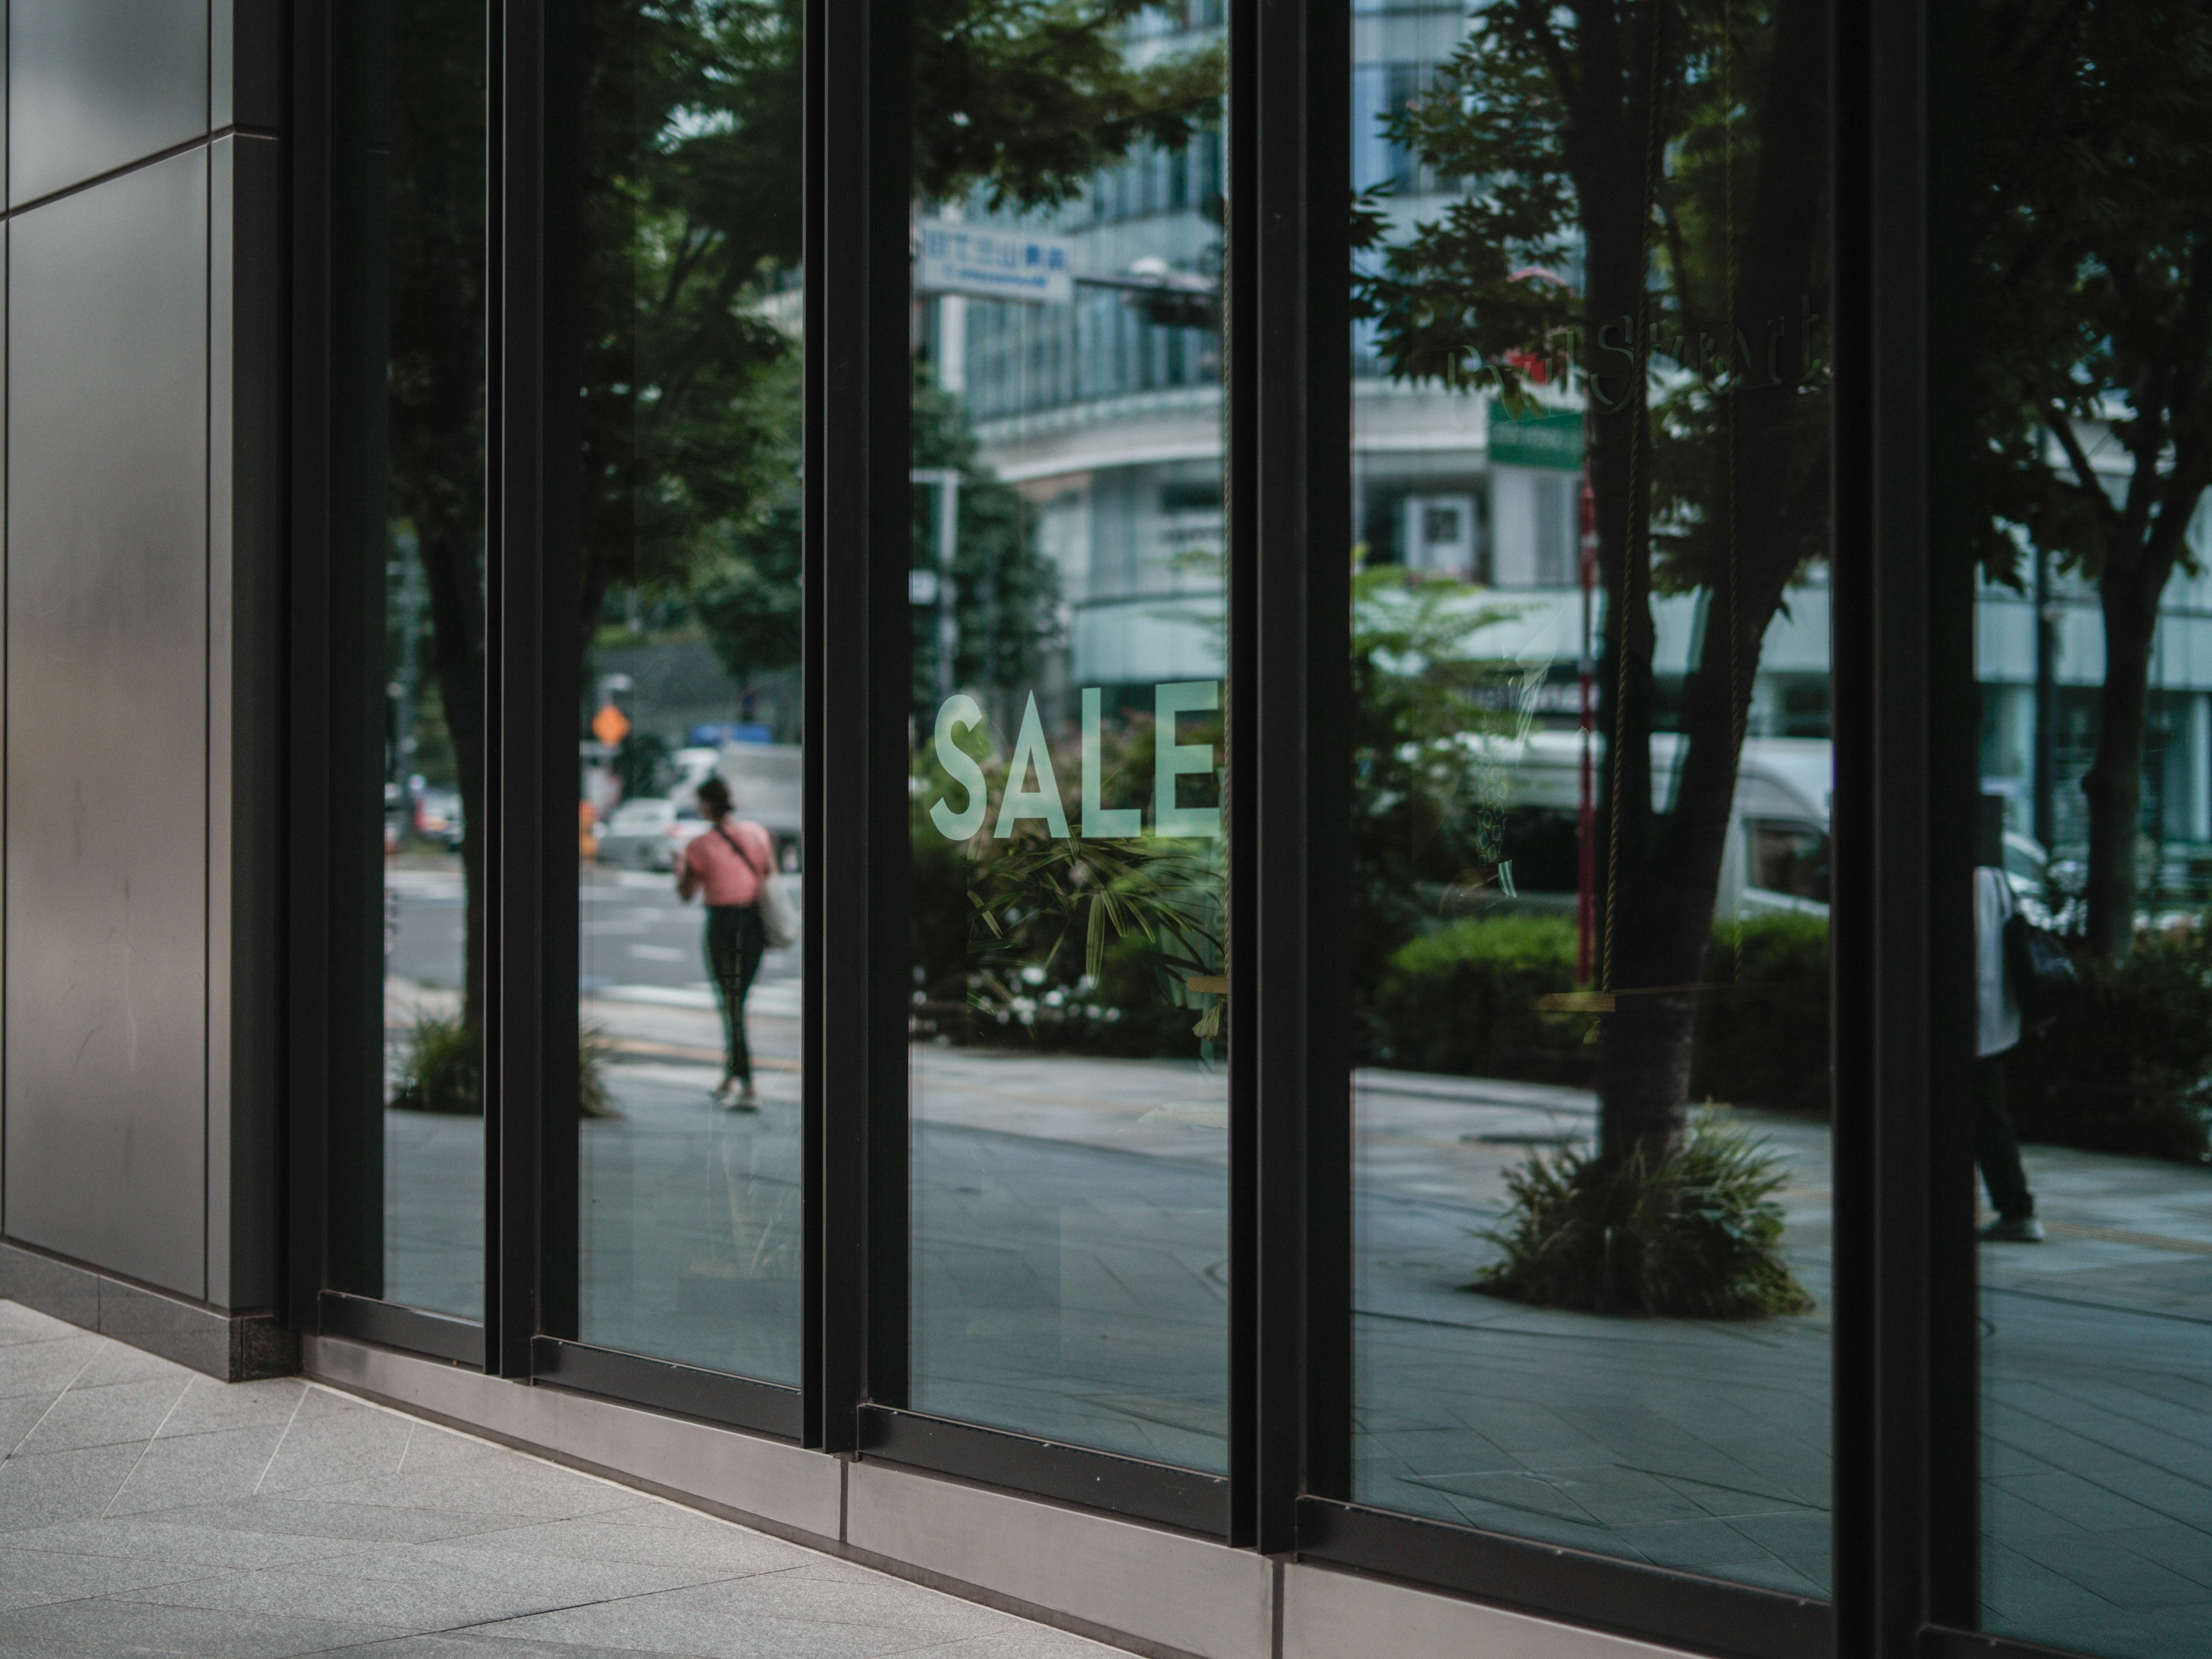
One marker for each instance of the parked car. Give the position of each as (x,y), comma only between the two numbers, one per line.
(438,818)
(648,833)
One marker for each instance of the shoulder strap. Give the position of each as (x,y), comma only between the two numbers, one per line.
(730,840)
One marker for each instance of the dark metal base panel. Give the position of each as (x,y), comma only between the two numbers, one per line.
(1937,1643)
(411,1330)
(1705,1615)
(1169,1497)
(234,1348)
(662,1385)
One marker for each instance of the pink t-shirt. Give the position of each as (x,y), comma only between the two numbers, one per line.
(723,876)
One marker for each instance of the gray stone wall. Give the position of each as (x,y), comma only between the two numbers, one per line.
(145,447)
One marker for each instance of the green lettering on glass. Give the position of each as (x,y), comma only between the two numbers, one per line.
(958,714)
(1101,821)
(1173,760)
(1032,756)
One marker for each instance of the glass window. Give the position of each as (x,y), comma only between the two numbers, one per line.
(408,1134)
(2090,451)
(687,642)
(1070,1008)
(1591,791)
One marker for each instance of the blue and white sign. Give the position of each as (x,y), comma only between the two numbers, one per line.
(990,262)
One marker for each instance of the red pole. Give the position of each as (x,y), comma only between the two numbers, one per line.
(1586,825)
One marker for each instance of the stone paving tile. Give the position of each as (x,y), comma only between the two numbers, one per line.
(485,1493)
(413,1607)
(209,1406)
(326,1447)
(433,1450)
(1034,1643)
(483,1644)
(839,1593)
(69,1629)
(163,1538)
(656,1625)
(47,1367)
(196,1468)
(64,1485)
(305,1514)
(389,1536)
(726,1551)
(30,1578)
(545,1579)
(117,1362)
(107,1415)
(19,1415)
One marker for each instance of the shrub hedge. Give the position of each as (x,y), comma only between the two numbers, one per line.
(2128,1068)
(1462,1000)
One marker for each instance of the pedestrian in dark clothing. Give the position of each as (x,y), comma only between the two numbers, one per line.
(727,867)
(1997,1028)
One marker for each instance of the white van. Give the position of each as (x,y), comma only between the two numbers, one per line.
(1777,856)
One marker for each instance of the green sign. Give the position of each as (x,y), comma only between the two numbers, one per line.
(1549,440)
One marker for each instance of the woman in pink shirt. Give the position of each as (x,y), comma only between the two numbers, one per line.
(726,866)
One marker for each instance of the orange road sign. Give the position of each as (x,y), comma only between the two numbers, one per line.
(610,725)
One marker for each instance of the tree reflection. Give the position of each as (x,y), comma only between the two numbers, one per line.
(1643,216)
(693,199)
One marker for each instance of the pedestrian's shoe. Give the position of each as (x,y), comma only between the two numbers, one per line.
(725,1092)
(748,1100)
(2014,1229)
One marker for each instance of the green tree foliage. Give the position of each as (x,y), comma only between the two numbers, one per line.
(1024,99)
(691,139)
(1005,593)
(1645,181)
(1428,821)
(2093,287)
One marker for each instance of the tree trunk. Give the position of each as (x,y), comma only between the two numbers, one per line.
(450,561)
(2113,787)
(1662,881)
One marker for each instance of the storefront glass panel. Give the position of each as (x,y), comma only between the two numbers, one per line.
(408,1134)
(686,639)
(1071,1015)
(2088,457)
(1591,794)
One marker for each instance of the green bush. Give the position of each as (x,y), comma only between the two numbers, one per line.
(443,1068)
(595,1049)
(1463,999)
(1696,1234)
(2128,1067)
(1762,1037)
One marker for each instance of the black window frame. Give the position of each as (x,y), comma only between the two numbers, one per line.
(1904,1406)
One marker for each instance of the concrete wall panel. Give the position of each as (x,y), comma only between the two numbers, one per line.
(96,84)
(107,724)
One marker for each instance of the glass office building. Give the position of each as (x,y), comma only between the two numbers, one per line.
(1291,829)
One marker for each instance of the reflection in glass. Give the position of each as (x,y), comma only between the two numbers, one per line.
(688,643)
(411,170)
(1070,1018)
(1591,794)
(2094,446)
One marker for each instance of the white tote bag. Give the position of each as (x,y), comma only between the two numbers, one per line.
(777,904)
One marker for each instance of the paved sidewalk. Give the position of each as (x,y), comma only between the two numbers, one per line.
(147,1509)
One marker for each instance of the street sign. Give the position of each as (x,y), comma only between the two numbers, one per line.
(1552,440)
(610,725)
(991,262)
